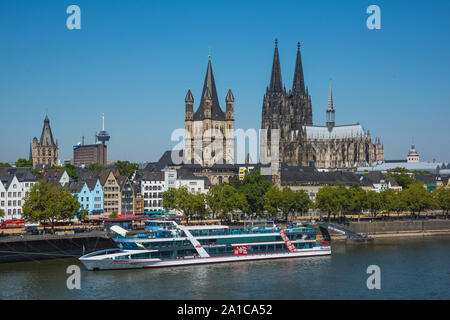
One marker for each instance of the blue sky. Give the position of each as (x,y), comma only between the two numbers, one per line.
(135,60)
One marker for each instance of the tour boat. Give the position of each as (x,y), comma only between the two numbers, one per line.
(164,243)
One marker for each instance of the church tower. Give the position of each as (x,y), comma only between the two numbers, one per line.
(45,151)
(209,137)
(286,111)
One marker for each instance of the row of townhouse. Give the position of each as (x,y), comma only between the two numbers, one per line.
(14,185)
(89,194)
(99,192)
(117,194)
(152,184)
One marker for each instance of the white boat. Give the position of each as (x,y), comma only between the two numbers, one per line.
(166,244)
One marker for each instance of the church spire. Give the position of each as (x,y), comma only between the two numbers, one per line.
(209,84)
(299,82)
(330,111)
(46,135)
(330,99)
(275,80)
(209,92)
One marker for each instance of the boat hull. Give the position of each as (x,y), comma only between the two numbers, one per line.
(108,264)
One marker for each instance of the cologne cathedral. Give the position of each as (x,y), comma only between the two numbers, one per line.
(330,147)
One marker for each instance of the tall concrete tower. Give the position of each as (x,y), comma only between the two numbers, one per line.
(103,135)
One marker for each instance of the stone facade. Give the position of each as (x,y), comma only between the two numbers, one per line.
(209,137)
(45,151)
(329,147)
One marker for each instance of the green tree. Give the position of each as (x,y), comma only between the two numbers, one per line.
(401,175)
(197,205)
(359,199)
(393,201)
(374,202)
(169,199)
(48,202)
(234,182)
(417,172)
(343,199)
(442,198)
(287,202)
(22,162)
(183,202)
(126,168)
(2,213)
(302,202)
(399,203)
(4,164)
(225,199)
(326,200)
(71,171)
(417,198)
(272,200)
(82,215)
(95,166)
(254,186)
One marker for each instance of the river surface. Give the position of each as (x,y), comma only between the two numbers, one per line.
(410,269)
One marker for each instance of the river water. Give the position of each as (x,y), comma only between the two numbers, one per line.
(410,269)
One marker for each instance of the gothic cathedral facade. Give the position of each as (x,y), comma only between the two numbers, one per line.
(329,147)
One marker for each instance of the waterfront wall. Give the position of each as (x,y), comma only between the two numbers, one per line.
(39,247)
(417,226)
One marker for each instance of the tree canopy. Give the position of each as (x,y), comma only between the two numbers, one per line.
(225,199)
(253,187)
(22,162)
(191,204)
(402,175)
(95,166)
(48,202)
(417,198)
(126,168)
(71,171)
(442,198)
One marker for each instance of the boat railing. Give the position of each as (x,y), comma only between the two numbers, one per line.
(229,232)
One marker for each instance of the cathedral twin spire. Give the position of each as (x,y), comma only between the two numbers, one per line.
(299,83)
(276,84)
